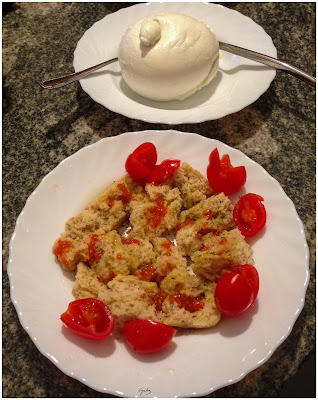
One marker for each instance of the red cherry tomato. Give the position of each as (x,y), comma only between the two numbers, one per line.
(222,176)
(89,318)
(163,171)
(233,294)
(146,153)
(135,168)
(249,272)
(249,214)
(141,161)
(146,336)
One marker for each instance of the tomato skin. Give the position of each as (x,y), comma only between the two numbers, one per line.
(163,171)
(222,176)
(135,168)
(89,318)
(233,294)
(250,214)
(141,161)
(141,165)
(146,336)
(214,160)
(228,181)
(249,272)
(146,154)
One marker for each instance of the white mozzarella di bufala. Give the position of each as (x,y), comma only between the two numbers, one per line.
(168,56)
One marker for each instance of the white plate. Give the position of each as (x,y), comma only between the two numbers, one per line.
(200,361)
(238,83)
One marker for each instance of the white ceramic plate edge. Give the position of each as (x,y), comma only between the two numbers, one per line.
(208,390)
(146,110)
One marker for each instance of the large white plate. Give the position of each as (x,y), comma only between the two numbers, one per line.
(200,361)
(238,83)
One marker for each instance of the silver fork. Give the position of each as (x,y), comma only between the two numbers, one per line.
(252,55)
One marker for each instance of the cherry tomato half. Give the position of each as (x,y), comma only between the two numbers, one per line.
(141,161)
(233,294)
(249,272)
(249,214)
(135,168)
(222,176)
(89,318)
(146,336)
(146,153)
(163,171)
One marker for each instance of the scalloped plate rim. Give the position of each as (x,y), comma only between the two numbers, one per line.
(147,132)
(167,116)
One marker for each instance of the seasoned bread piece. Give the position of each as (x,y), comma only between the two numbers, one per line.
(207,317)
(124,190)
(108,254)
(220,253)
(168,256)
(158,213)
(112,254)
(130,298)
(125,295)
(107,212)
(181,280)
(89,222)
(144,275)
(86,283)
(69,252)
(214,215)
(193,186)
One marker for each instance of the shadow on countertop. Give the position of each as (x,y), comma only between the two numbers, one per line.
(301,386)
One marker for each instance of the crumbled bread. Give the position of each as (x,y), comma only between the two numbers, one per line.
(181,280)
(86,283)
(108,211)
(120,255)
(181,318)
(129,298)
(91,221)
(125,296)
(217,208)
(145,275)
(168,256)
(220,253)
(214,214)
(124,190)
(193,186)
(158,214)
(69,252)
(163,190)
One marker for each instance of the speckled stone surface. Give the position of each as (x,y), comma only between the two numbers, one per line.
(41,128)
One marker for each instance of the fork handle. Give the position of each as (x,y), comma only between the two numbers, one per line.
(270,61)
(65,80)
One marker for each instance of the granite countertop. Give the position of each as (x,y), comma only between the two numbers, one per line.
(41,128)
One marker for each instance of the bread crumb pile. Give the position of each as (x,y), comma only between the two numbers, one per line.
(154,252)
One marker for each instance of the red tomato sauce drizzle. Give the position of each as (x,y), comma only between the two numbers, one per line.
(94,252)
(148,273)
(187,221)
(167,247)
(125,196)
(189,303)
(129,241)
(209,214)
(203,232)
(169,267)
(157,213)
(62,248)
